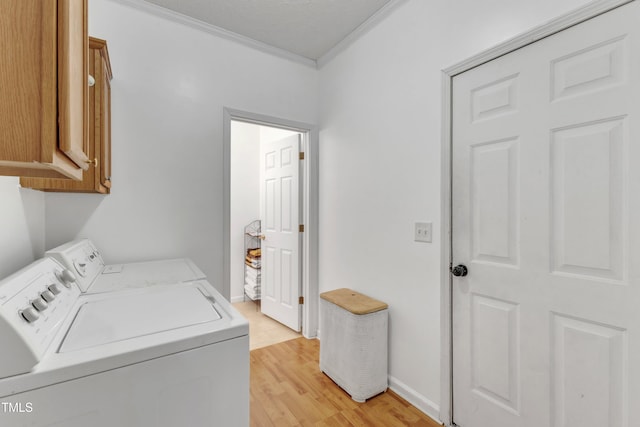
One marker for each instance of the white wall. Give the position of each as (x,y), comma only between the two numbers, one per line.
(380,118)
(21,226)
(245,196)
(245,190)
(170,85)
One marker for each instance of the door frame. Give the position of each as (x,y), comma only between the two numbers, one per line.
(563,22)
(309,204)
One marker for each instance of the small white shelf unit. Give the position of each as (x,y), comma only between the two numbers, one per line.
(252,260)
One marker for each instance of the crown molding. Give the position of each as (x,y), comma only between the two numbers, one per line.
(361,30)
(179,18)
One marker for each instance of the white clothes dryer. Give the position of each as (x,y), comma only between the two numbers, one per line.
(84,260)
(161,356)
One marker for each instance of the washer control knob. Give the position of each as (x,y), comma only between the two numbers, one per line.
(48,296)
(39,304)
(66,277)
(81,268)
(55,289)
(29,314)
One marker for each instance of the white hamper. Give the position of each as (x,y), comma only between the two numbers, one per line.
(353,344)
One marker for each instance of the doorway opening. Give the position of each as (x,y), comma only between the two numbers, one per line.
(270,245)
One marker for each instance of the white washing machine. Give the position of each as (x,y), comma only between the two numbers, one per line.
(159,356)
(84,260)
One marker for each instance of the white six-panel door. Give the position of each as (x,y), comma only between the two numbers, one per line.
(546,216)
(280,212)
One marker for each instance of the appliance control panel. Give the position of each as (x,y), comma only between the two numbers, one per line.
(33,304)
(82,258)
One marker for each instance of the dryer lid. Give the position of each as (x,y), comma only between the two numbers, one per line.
(124,316)
(141,274)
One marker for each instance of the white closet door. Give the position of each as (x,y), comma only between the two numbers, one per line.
(546,201)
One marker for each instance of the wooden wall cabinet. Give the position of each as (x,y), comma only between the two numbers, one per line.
(97,179)
(44,48)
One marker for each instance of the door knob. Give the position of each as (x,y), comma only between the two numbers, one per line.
(459,270)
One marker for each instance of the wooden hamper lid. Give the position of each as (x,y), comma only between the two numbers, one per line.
(353,301)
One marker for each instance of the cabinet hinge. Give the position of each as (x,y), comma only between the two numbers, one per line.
(300,300)
(302,155)
(301,228)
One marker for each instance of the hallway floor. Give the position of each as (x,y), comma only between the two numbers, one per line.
(263,330)
(288,389)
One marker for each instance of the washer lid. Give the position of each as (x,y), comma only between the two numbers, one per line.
(141,274)
(120,317)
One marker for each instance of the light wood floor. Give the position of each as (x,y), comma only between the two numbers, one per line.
(288,389)
(263,331)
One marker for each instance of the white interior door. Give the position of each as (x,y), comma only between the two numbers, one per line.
(546,201)
(280,212)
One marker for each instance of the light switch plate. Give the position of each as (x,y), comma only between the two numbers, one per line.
(422,232)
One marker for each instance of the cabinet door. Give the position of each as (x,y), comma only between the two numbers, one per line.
(20,79)
(73,86)
(43,81)
(95,179)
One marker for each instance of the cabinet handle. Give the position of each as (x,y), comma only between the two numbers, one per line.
(93,162)
(92,81)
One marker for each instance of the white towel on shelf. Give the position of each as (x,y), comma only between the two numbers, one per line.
(253,272)
(252,284)
(253,279)
(252,293)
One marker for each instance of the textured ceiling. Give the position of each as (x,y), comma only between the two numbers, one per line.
(309,28)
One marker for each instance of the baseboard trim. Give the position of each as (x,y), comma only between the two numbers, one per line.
(237,299)
(430,408)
